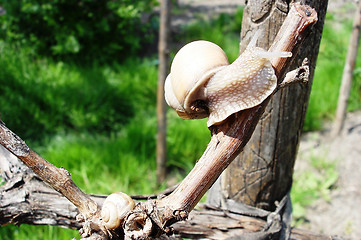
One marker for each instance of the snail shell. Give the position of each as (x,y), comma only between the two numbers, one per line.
(115,207)
(201,83)
(192,67)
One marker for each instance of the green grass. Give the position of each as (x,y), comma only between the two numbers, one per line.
(314,183)
(29,232)
(328,74)
(223,31)
(58,96)
(99,122)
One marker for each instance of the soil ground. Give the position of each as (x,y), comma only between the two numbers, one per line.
(341,213)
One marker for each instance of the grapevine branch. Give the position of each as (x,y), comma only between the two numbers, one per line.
(229,138)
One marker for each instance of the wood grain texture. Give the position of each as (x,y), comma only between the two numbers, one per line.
(25,198)
(57,178)
(163,57)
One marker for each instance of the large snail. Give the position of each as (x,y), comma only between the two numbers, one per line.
(202,83)
(115,207)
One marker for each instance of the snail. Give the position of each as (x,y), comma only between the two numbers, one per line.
(115,207)
(202,83)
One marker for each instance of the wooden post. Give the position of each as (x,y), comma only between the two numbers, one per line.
(163,53)
(262,174)
(347,74)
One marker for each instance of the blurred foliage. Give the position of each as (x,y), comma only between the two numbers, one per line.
(41,97)
(328,74)
(36,232)
(84,29)
(223,30)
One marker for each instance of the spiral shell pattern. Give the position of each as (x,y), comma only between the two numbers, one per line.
(116,206)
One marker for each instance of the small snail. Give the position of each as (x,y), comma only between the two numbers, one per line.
(202,83)
(115,207)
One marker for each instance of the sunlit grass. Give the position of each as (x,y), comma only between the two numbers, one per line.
(37,232)
(186,141)
(224,31)
(41,97)
(328,75)
(126,161)
(103,165)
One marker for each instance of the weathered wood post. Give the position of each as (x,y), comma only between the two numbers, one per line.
(347,74)
(262,174)
(163,55)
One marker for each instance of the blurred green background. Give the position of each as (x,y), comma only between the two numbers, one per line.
(78,82)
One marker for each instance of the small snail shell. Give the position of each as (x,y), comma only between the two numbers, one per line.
(115,207)
(201,83)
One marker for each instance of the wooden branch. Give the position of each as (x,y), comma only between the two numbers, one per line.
(28,200)
(205,223)
(228,139)
(58,178)
(25,198)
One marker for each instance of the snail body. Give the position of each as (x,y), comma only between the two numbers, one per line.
(115,207)
(202,83)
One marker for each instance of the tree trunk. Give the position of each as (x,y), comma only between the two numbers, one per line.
(163,53)
(262,174)
(347,74)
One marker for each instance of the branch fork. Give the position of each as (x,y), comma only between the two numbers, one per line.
(229,138)
(154,217)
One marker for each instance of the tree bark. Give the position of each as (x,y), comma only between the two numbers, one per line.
(57,178)
(262,174)
(25,198)
(347,74)
(163,53)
